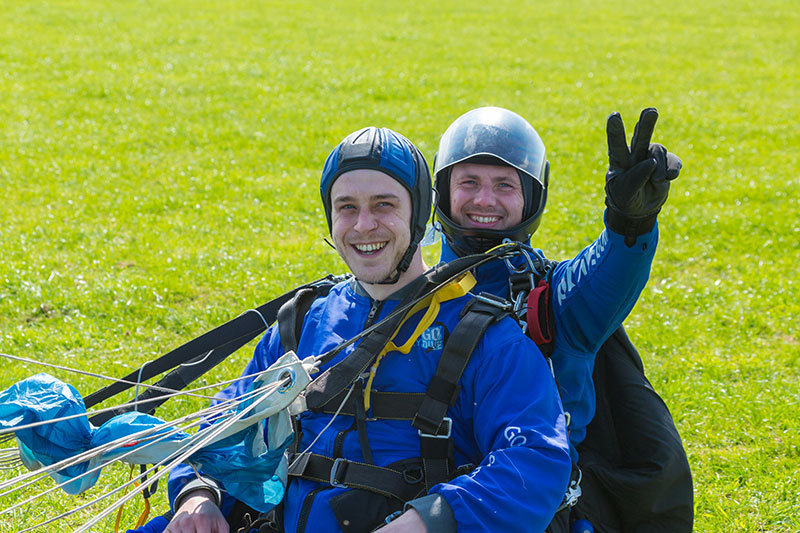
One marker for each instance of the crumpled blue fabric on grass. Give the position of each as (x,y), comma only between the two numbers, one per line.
(251,468)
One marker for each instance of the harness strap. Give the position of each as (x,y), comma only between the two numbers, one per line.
(426,411)
(436,444)
(361,423)
(456,289)
(443,389)
(383,405)
(405,484)
(204,352)
(338,377)
(291,314)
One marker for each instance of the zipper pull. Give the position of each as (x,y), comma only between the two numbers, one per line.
(373,311)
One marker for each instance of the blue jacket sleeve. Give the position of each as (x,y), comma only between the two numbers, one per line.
(267,351)
(592,295)
(595,291)
(520,430)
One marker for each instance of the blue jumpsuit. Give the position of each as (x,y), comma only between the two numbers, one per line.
(592,294)
(508,419)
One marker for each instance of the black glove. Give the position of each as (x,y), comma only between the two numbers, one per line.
(637,181)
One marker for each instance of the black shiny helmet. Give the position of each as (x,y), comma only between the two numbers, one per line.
(391,153)
(491,136)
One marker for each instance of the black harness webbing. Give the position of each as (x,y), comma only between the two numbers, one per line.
(341,375)
(337,378)
(291,314)
(401,484)
(436,444)
(427,412)
(203,353)
(443,389)
(384,405)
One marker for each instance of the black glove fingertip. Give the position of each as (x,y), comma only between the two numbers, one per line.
(674,166)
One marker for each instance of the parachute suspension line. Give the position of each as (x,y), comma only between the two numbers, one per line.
(33,477)
(335,414)
(454,289)
(198,416)
(9,457)
(176,458)
(7,434)
(122,507)
(138,437)
(256,311)
(85,373)
(145,513)
(136,392)
(12,459)
(179,459)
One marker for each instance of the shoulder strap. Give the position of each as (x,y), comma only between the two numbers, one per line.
(292,313)
(338,377)
(436,444)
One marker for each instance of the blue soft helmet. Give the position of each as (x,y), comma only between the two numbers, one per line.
(389,152)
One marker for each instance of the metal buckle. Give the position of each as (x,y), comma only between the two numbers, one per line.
(573,493)
(337,464)
(449,424)
(496,301)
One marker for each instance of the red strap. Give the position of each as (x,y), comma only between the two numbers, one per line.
(540,328)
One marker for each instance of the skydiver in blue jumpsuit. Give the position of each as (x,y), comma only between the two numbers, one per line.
(492,175)
(507,421)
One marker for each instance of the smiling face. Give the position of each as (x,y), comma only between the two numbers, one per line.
(485,196)
(370,223)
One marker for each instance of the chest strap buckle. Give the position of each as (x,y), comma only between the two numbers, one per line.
(446,426)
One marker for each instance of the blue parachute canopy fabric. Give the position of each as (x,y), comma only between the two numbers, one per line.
(251,469)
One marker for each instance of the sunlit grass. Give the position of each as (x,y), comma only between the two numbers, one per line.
(160,163)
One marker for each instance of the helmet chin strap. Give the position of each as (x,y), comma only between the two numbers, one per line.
(401,267)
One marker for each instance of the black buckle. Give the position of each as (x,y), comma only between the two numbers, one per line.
(413,475)
(447,422)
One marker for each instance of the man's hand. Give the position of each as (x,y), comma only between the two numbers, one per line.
(638,178)
(198,514)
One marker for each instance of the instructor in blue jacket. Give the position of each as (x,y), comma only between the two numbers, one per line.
(492,175)
(506,425)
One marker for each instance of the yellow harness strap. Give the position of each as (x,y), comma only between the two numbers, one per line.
(451,291)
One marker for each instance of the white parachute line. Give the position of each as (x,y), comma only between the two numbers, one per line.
(198,416)
(338,410)
(88,472)
(8,431)
(154,440)
(9,459)
(205,414)
(264,392)
(179,458)
(188,392)
(90,374)
(85,456)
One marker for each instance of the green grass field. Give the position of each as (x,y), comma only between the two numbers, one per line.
(160,162)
